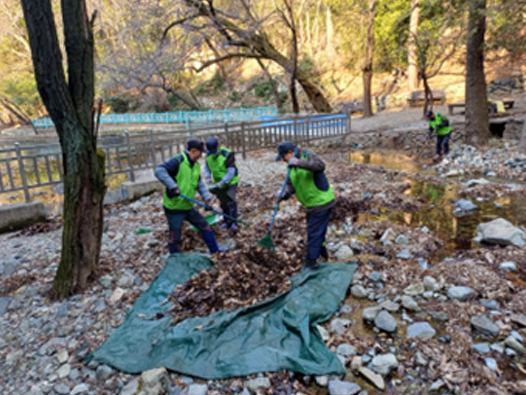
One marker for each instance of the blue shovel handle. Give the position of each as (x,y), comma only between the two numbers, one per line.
(281,195)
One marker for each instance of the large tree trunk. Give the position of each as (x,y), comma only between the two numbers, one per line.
(70,106)
(412,69)
(428,95)
(477,118)
(522,142)
(367,68)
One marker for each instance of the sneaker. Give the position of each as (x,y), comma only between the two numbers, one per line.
(306,268)
(324,253)
(223,226)
(234,228)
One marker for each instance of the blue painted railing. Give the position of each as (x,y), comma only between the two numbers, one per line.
(315,121)
(186,117)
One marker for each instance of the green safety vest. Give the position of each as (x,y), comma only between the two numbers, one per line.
(187,179)
(306,191)
(439,118)
(217,165)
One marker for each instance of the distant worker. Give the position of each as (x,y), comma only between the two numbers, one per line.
(221,170)
(312,188)
(182,175)
(439,124)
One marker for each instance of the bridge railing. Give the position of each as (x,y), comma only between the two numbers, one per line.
(23,168)
(186,117)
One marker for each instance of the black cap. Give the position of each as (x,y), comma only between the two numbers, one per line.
(212,145)
(283,148)
(195,143)
(429,114)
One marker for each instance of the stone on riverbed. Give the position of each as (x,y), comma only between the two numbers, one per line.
(485,325)
(460,293)
(385,322)
(421,330)
(384,363)
(338,387)
(500,232)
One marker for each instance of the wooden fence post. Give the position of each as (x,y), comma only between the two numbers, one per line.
(130,158)
(152,144)
(227,142)
(243,144)
(22,172)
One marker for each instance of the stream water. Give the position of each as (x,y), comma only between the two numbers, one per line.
(437,214)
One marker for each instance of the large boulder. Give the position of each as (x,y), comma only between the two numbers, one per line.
(500,232)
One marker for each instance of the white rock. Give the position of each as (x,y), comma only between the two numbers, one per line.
(501,232)
(117,295)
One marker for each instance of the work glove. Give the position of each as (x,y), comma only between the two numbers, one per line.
(280,198)
(209,180)
(220,185)
(208,206)
(173,192)
(293,162)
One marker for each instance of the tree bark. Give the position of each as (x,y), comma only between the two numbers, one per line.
(70,106)
(522,142)
(273,86)
(412,69)
(367,68)
(477,118)
(428,95)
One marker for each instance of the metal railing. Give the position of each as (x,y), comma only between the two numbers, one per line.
(28,167)
(186,117)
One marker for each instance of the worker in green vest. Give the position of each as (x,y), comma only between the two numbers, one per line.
(439,124)
(182,175)
(312,188)
(221,170)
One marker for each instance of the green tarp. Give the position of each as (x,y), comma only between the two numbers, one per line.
(269,336)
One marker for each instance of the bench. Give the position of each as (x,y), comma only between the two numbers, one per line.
(492,107)
(439,95)
(353,107)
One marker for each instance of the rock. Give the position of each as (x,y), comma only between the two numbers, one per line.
(452,173)
(389,235)
(431,284)
(490,304)
(125,281)
(62,356)
(64,371)
(370,313)
(402,240)
(117,295)
(491,363)
(61,389)
(346,350)
(346,309)
(436,386)
(404,254)
(254,384)
(500,232)
(419,358)
(424,229)
(498,347)
(481,348)
(384,363)
(373,377)
(385,322)
(323,333)
(508,266)
(337,387)
(439,316)
(415,289)
(480,181)
(514,344)
(80,389)
(421,330)
(344,254)
(155,381)
(460,293)
(106,281)
(390,306)
(197,389)
(463,207)
(132,388)
(4,302)
(340,325)
(517,336)
(356,363)
(322,381)
(375,276)
(359,291)
(103,372)
(519,319)
(485,325)
(409,303)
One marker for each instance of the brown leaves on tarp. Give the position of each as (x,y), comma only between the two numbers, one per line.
(243,276)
